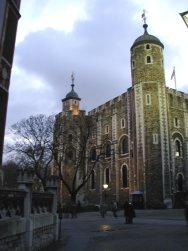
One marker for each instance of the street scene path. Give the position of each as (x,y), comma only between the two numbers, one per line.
(152,230)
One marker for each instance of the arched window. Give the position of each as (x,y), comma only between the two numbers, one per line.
(70,154)
(92,178)
(177,148)
(124,145)
(180,183)
(148,59)
(107,176)
(124,176)
(108,150)
(93,154)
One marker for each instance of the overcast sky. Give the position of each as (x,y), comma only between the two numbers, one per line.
(91,38)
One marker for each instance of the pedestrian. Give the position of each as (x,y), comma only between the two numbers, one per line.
(103,209)
(186,211)
(126,211)
(114,208)
(131,213)
(73,210)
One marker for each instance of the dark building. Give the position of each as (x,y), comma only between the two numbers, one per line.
(9,16)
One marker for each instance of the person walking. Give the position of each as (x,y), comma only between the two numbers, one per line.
(126,212)
(186,210)
(114,208)
(129,212)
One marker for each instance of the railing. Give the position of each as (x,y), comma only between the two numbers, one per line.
(41,202)
(11,202)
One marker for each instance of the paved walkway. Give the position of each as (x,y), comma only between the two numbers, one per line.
(152,230)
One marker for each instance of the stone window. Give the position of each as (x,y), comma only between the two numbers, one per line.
(148,60)
(178,148)
(148,99)
(92,179)
(108,150)
(122,123)
(93,154)
(180,182)
(124,176)
(106,129)
(70,155)
(176,122)
(148,46)
(124,144)
(155,138)
(107,176)
(133,64)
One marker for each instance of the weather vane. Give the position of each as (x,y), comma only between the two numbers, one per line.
(144,16)
(72,78)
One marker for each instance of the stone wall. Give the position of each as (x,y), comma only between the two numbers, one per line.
(28,221)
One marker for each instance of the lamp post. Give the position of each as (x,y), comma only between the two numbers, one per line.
(105,186)
(184,15)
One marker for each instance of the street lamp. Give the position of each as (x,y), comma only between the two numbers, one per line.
(105,186)
(184,15)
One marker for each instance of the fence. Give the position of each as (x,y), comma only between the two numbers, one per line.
(28,221)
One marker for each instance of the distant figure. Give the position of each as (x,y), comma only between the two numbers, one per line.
(73,210)
(114,208)
(103,209)
(129,212)
(126,205)
(186,211)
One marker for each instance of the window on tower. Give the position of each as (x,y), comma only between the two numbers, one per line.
(92,179)
(107,176)
(107,129)
(180,182)
(155,138)
(148,99)
(124,176)
(133,64)
(108,150)
(148,46)
(148,60)
(124,145)
(176,122)
(122,123)
(93,154)
(178,150)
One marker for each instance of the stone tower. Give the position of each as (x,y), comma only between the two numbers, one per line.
(148,127)
(71,103)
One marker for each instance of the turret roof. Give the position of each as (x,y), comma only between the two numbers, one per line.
(147,38)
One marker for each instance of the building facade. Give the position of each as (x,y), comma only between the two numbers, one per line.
(9,16)
(139,140)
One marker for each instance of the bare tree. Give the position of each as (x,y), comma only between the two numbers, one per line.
(32,146)
(72,152)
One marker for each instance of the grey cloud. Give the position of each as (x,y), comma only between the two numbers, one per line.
(97,50)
